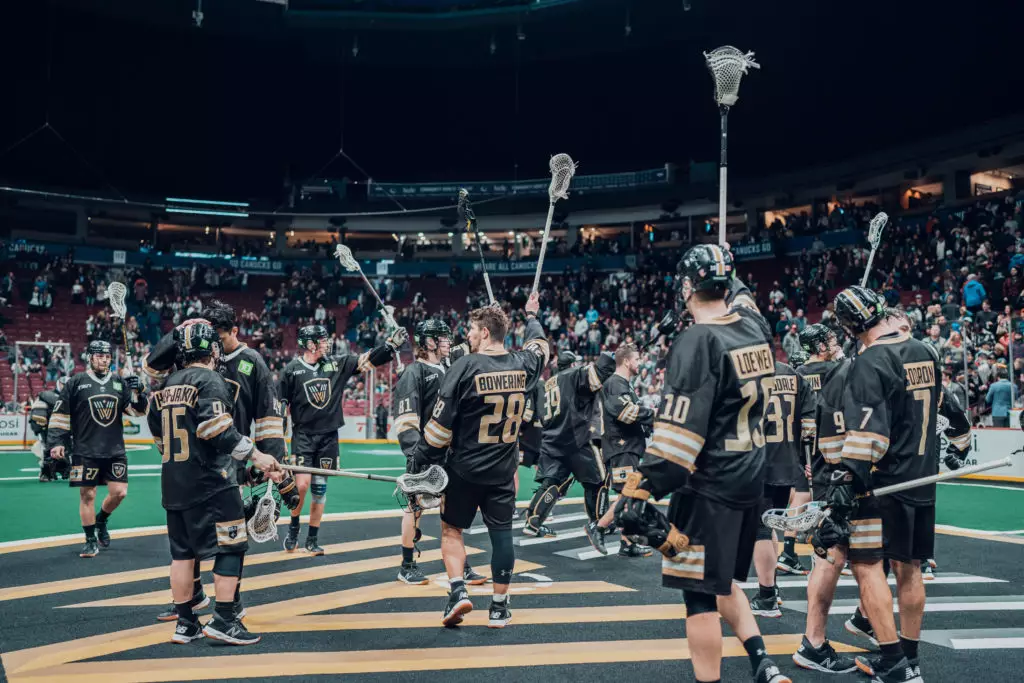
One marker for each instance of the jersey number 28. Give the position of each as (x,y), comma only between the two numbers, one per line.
(511,410)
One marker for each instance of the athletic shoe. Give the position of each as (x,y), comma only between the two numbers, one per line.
(517,515)
(458,606)
(846,570)
(539,532)
(766,606)
(861,628)
(906,670)
(199,602)
(102,535)
(187,631)
(410,573)
(926,573)
(634,550)
(291,540)
(499,615)
(232,633)
(239,610)
(90,549)
(44,477)
(933,564)
(824,658)
(472,578)
(595,535)
(768,672)
(313,548)
(790,564)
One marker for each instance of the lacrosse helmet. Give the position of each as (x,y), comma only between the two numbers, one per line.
(798,358)
(566,359)
(196,342)
(858,309)
(311,333)
(430,329)
(815,336)
(99,346)
(707,267)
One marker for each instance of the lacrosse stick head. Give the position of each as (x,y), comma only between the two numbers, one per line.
(800,518)
(941,424)
(421,491)
(117,291)
(727,66)
(265,511)
(563,168)
(876,227)
(345,257)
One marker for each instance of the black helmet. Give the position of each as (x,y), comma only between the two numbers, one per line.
(100,346)
(797,358)
(813,337)
(196,341)
(859,309)
(566,359)
(311,333)
(221,316)
(708,267)
(430,329)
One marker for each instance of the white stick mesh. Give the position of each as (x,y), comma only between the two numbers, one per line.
(876,227)
(727,66)
(344,255)
(432,482)
(263,525)
(563,168)
(117,291)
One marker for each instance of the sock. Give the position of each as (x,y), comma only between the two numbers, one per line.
(238,591)
(225,610)
(500,599)
(293,525)
(184,610)
(892,653)
(101,517)
(766,591)
(755,650)
(313,531)
(90,532)
(197,583)
(456,584)
(406,555)
(790,546)
(909,646)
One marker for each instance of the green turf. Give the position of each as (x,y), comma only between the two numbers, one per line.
(52,509)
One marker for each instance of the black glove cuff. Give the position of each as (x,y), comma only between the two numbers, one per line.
(379,355)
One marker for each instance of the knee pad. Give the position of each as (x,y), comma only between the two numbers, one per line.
(318,489)
(227,565)
(544,500)
(763,533)
(699,603)
(503,555)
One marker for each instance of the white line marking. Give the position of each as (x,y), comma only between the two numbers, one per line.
(561,537)
(986,643)
(563,519)
(986,486)
(950,527)
(941,579)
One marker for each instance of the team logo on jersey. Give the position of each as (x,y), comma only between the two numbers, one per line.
(118,469)
(325,463)
(118,386)
(234,387)
(245,367)
(103,408)
(318,392)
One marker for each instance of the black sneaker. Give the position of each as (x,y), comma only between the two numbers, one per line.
(410,573)
(187,631)
(472,578)
(232,633)
(824,659)
(763,606)
(291,541)
(458,606)
(768,672)
(517,515)
(539,532)
(595,535)
(199,602)
(927,573)
(862,628)
(102,535)
(90,549)
(499,615)
(634,550)
(791,564)
(905,671)
(313,548)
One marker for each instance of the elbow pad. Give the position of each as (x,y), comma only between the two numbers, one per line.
(380,355)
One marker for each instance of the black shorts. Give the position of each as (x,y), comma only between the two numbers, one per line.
(802,485)
(584,464)
(775,497)
(528,457)
(619,467)
(316,450)
(908,531)
(86,472)
(215,527)
(462,499)
(721,544)
(866,532)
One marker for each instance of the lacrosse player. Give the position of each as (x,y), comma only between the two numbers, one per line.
(191,422)
(708,452)
(39,418)
(530,433)
(889,415)
(311,387)
(90,409)
(475,424)
(413,400)
(567,447)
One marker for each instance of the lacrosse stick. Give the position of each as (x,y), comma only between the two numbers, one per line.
(874,238)
(262,526)
(563,168)
(468,217)
(117,291)
(349,263)
(727,66)
(426,486)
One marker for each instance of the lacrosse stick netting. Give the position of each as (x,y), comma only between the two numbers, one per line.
(875,229)
(262,527)
(349,263)
(117,292)
(727,66)
(562,168)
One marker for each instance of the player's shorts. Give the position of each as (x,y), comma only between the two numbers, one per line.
(585,464)
(316,450)
(619,467)
(214,527)
(462,499)
(721,544)
(801,484)
(908,531)
(87,472)
(528,457)
(866,532)
(775,496)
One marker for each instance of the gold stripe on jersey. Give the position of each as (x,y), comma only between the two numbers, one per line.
(528,413)
(865,446)
(39,420)
(808,429)
(540,347)
(593,379)
(727,319)
(920,375)
(179,395)
(688,564)
(436,435)
(231,533)
(629,413)
(676,444)
(814,381)
(214,426)
(155,374)
(831,448)
(404,423)
(500,382)
(961,442)
(753,361)
(159,443)
(865,533)
(364,364)
(785,384)
(60,421)
(134,412)
(269,428)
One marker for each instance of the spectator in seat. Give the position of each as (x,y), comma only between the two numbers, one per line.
(1000,396)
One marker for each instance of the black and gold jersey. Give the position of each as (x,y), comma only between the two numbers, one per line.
(190,418)
(255,407)
(788,421)
(831,425)
(532,430)
(816,373)
(958,433)
(413,401)
(42,407)
(90,408)
(569,401)
(626,421)
(314,392)
(891,409)
(480,408)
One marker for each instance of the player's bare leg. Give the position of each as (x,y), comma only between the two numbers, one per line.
(188,628)
(302,485)
(876,602)
(911,598)
(87,513)
(789,562)
(117,491)
(453,552)
(766,603)
(816,652)
(410,573)
(735,609)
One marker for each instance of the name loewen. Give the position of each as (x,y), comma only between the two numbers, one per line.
(500,382)
(753,361)
(181,395)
